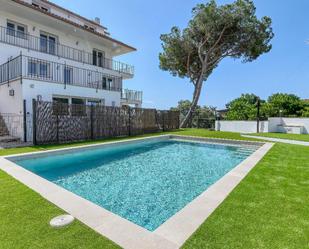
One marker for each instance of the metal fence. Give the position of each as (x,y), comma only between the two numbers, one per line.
(41,44)
(11,70)
(60,123)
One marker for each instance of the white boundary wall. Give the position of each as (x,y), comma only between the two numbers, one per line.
(241,126)
(284,125)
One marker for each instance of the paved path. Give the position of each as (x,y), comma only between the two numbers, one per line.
(287,141)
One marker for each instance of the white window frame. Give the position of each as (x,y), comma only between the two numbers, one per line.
(37,69)
(15,32)
(48,36)
(98,101)
(97,57)
(70,70)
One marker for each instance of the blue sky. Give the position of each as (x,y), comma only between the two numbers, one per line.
(139,23)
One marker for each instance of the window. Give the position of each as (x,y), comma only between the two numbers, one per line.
(44,70)
(68,75)
(32,68)
(110,83)
(48,43)
(113,103)
(15,29)
(78,107)
(94,57)
(11,29)
(98,58)
(21,33)
(43,43)
(39,69)
(104,83)
(94,102)
(60,106)
(51,45)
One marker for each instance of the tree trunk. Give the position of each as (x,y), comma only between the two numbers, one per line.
(196,96)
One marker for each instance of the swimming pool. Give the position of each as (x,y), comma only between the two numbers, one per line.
(145,182)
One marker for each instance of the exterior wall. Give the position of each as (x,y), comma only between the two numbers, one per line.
(272,125)
(11,104)
(277,124)
(11,108)
(33,88)
(241,126)
(64,38)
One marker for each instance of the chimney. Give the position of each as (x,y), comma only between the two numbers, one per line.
(97,20)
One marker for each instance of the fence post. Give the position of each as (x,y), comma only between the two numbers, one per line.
(163,121)
(34,107)
(8,72)
(129,110)
(91,121)
(25,121)
(258,115)
(57,125)
(21,67)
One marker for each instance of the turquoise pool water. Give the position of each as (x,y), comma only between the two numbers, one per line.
(144,182)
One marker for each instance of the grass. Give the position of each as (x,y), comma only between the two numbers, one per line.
(268,209)
(25,217)
(298,137)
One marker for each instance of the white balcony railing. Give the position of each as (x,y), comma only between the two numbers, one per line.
(24,40)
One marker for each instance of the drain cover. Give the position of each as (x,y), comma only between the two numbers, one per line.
(62,220)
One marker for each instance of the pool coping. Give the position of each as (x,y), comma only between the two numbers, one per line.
(171,234)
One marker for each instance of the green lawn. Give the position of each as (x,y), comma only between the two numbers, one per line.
(299,137)
(269,209)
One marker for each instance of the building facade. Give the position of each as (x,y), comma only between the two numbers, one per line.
(52,54)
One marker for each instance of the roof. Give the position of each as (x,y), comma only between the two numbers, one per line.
(73,23)
(73,13)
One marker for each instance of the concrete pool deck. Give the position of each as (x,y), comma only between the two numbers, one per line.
(171,234)
(279,140)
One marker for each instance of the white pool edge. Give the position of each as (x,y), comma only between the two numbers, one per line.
(171,234)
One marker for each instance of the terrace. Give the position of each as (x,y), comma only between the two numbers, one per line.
(47,46)
(25,67)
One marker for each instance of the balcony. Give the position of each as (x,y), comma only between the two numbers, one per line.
(24,40)
(25,67)
(131,97)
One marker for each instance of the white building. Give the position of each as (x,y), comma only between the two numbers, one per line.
(52,54)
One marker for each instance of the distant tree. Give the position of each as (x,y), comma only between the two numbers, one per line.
(214,33)
(183,107)
(305,111)
(244,108)
(205,112)
(288,104)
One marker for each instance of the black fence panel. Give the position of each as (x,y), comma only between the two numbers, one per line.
(61,123)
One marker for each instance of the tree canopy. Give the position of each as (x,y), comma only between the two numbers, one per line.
(215,32)
(278,104)
(289,104)
(243,108)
